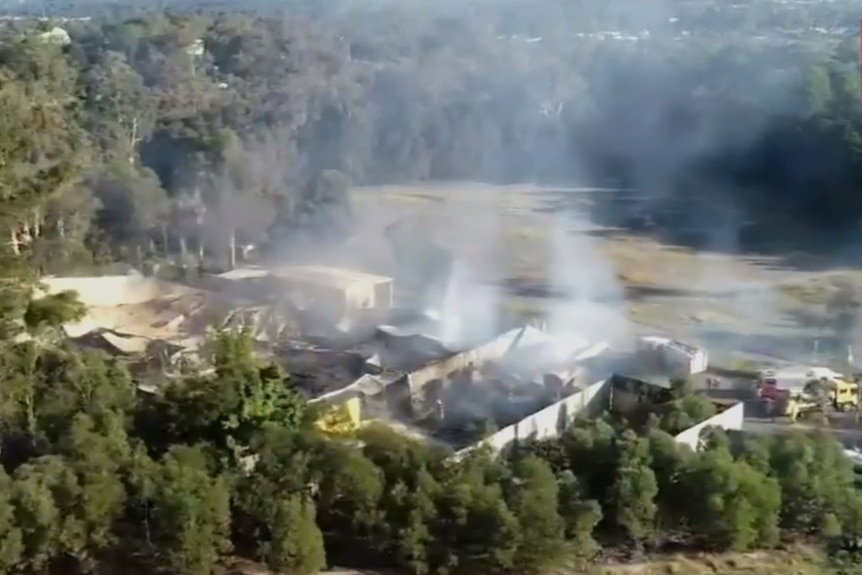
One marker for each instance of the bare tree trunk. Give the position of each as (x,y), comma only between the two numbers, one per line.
(26,235)
(15,243)
(133,141)
(165,239)
(232,260)
(200,249)
(37,224)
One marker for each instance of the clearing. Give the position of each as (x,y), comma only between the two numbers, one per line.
(543,250)
(795,561)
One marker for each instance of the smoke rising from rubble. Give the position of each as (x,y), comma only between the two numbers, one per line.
(469,309)
(469,304)
(592,302)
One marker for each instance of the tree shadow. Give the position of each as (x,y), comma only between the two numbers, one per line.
(802,348)
(708,226)
(542,289)
(536,288)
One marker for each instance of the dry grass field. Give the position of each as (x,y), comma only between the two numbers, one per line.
(528,241)
(795,561)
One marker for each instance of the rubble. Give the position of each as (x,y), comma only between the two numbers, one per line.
(398,369)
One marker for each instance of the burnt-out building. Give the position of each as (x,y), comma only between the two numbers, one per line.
(494,384)
(675,358)
(326,297)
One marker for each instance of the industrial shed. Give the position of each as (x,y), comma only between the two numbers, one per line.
(339,296)
(354,289)
(675,358)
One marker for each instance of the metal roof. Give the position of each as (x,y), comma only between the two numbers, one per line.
(323,276)
(244,274)
(660,341)
(329,276)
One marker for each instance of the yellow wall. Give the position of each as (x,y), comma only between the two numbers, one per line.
(342,418)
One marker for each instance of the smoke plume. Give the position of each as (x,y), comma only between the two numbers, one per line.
(592,301)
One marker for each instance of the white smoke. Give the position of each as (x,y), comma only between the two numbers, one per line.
(469,309)
(590,300)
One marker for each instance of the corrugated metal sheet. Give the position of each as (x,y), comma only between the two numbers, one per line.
(244,274)
(324,276)
(329,276)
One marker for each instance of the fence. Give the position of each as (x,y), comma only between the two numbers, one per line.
(730,419)
(554,419)
(550,421)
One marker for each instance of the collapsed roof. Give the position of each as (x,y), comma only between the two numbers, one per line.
(265,323)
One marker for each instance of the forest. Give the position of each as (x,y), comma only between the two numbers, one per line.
(156,133)
(139,137)
(226,463)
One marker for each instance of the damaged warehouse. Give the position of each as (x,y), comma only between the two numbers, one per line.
(321,297)
(618,396)
(466,394)
(401,373)
(669,357)
(413,379)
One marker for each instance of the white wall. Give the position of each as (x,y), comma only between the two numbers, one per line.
(550,421)
(699,362)
(554,419)
(731,419)
(683,359)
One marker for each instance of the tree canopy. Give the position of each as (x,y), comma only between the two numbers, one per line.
(153,136)
(182,132)
(97,474)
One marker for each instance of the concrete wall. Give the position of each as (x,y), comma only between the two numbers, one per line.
(384,295)
(251,288)
(113,290)
(592,401)
(443,368)
(362,295)
(550,421)
(358,290)
(330,295)
(678,358)
(699,362)
(730,419)
(623,400)
(628,395)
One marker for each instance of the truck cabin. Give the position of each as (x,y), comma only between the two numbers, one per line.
(840,392)
(769,389)
(771,384)
(771,392)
